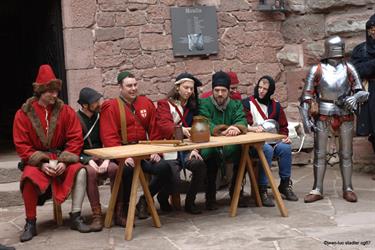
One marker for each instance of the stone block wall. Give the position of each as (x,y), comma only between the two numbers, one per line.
(103,37)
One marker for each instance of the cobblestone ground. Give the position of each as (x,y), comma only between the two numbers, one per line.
(331,223)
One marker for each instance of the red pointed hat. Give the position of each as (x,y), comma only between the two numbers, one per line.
(233,78)
(46,80)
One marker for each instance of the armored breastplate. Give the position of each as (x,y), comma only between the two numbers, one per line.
(334,82)
(333,87)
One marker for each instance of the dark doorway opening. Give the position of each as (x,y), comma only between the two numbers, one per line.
(31,34)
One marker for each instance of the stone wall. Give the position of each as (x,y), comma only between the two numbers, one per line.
(103,37)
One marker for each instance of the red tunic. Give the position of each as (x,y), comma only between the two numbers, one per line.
(110,128)
(165,120)
(67,137)
(234,96)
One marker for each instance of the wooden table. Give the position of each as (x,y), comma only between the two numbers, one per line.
(140,152)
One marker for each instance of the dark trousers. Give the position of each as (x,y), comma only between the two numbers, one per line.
(161,176)
(198,169)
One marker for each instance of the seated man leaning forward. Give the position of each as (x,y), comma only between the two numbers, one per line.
(48,139)
(97,169)
(127,119)
(226,118)
(260,109)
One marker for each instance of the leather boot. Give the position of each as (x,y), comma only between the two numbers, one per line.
(313,196)
(164,203)
(121,213)
(286,191)
(211,200)
(266,199)
(29,230)
(76,223)
(97,222)
(190,206)
(141,207)
(350,196)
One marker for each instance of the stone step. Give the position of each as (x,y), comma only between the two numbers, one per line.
(9,172)
(10,194)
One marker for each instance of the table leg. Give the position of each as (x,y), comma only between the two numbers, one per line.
(57,213)
(237,187)
(149,199)
(253,181)
(133,200)
(275,191)
(114,192)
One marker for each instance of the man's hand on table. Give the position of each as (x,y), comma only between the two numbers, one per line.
(155,158)
(231,131)
(129,162)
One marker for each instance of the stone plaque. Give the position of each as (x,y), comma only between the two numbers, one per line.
(194,30)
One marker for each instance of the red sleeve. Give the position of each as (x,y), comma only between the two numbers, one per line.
(110,131)
(248,115)
(165,120)
(236,96)
(21,136)
(153,130)
(73,134)
(283,122)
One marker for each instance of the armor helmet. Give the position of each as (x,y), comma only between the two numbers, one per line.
(334,47)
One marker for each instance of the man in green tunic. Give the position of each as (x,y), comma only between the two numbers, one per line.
(226,118)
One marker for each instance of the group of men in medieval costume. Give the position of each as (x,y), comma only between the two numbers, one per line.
(50,137)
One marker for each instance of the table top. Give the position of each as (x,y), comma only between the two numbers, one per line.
(136,150)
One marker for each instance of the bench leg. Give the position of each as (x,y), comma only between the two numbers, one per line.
(176,201)
(275,191)
(57,213)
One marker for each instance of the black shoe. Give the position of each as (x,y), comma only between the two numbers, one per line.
(211,205)
(191,208)
(77,223)
(266,200)
(141,207)
(164,203)
(286,191)
(29,230)
(2,247)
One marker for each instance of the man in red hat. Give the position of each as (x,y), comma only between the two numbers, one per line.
(48,139)
(233,89)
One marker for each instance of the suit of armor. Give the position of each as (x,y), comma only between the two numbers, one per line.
(336,88)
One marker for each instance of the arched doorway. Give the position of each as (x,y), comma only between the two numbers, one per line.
(31,35)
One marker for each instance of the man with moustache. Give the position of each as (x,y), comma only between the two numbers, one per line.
(46,129)
(128,119)
(233,87)
(226,118)
(97,169)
